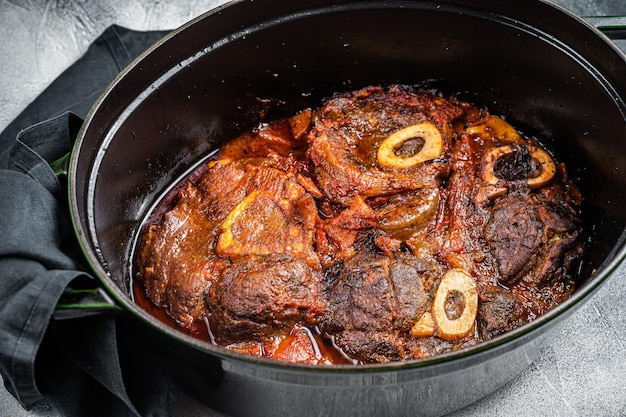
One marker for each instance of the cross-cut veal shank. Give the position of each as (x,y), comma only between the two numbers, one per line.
(390,223)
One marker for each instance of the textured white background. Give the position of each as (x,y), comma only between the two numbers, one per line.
(580,374)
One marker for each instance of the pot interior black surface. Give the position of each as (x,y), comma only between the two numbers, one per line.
(224,73)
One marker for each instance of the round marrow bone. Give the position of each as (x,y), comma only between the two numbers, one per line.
(455,280)
(546,163)
(388,150)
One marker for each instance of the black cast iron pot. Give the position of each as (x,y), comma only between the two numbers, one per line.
(546,70)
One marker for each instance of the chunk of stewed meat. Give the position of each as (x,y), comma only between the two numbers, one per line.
(515,233)
(500,311)
(238,208)
(260,297)
(531,237)
(349,129)
(374,300)
(179,283)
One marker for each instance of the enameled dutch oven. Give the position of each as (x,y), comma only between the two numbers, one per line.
(549,72)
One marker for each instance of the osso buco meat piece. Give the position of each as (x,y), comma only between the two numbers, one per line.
(391,223)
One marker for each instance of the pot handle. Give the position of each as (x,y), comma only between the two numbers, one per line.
(612,26)
(78,303)
(61,166)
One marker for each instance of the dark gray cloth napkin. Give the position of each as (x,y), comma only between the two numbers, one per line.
(96,365)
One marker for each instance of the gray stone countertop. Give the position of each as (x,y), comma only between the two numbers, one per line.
(581,373)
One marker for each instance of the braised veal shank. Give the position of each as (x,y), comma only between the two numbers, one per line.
(389,224)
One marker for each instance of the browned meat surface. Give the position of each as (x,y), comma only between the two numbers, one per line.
(525,236)
(241,207)
(514,234)
(175,280)
(388,224)
(349,129)
(500,311)
(261,297)
(374,300)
